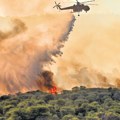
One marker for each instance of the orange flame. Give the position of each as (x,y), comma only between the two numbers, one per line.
(53,90)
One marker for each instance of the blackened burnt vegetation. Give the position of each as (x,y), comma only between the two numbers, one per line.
(78,104)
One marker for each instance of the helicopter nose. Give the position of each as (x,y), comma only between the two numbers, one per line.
(86,8)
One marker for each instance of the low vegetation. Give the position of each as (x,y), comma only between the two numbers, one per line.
(78,104)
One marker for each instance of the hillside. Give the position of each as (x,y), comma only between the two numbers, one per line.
(78,104)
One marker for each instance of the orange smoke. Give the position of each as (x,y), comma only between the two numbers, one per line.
(28,45)
(91,57)
(25,56)
(33,34)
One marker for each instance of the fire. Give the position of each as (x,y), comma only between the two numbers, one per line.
(53,90)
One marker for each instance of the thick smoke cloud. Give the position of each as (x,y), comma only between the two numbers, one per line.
(35,36)
(28,48)
(91,57)
(18,27)
(24,56)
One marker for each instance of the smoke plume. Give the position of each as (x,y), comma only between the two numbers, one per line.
(91,57)
(32,35)
(28,46)
(18,27)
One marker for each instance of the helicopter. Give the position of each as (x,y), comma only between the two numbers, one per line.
(78,7)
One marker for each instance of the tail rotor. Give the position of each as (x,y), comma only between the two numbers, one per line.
(57,5)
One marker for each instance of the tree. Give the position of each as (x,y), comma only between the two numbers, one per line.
(116,95)
(67,110)
(69,117)
(37,111)
(60,102)
(48,97)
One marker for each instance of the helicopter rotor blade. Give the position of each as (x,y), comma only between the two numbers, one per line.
(92,4)
(81,2)
(88,1)
(56,5)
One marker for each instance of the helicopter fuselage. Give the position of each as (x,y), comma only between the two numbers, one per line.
(79,8)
